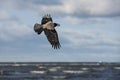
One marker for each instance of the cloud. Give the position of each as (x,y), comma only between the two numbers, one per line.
(74,12)
(7,16)
(37,2)
(4,16)
(93,8)
(11,31)
(76,8)
(76,34)
(78,11)
(89,39)
(76,20)
(82,8)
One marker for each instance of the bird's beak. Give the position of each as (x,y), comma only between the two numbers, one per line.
(58,24)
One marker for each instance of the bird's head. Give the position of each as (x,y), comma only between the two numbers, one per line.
(46,18)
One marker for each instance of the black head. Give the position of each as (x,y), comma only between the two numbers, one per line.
(46,19)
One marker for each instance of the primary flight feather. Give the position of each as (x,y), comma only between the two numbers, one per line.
(48,27)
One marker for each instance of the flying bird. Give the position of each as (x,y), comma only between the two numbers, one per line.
(48,26)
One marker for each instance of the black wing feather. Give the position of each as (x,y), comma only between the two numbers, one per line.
(52,37)
(38,28)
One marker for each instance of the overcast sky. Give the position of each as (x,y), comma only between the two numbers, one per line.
(89,31)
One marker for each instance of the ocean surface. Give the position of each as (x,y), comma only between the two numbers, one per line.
(59,71)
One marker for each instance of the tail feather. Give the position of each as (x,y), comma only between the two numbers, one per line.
(38,28)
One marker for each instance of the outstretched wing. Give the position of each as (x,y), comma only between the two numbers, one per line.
(38,28)
(52,37)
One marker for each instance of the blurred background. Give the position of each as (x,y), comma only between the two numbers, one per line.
(89,30)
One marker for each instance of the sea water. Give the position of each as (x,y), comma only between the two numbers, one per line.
(59,71)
